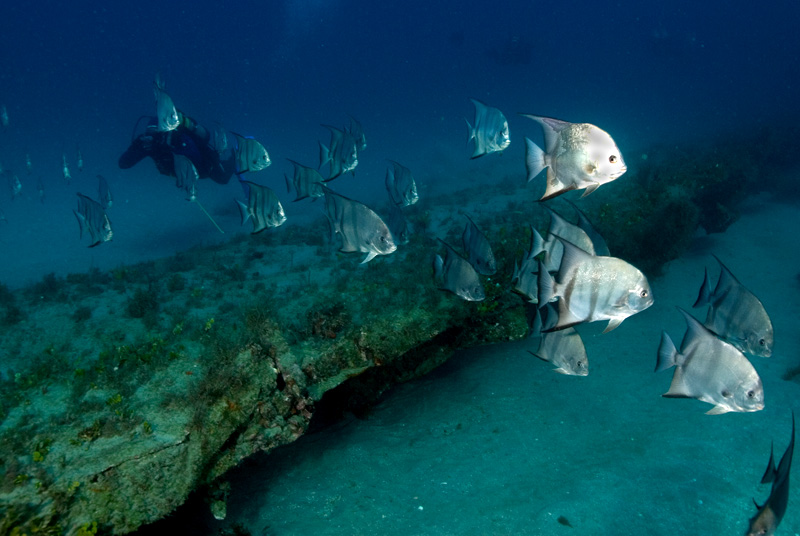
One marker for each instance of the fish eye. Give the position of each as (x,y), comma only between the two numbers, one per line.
(726,394)
(751,393)
(643,293)
(762,342)
(612,159)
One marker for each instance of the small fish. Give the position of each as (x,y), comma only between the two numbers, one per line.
(40,189)
(525,278)
(250,154)
(398,225)
(490,131)
(166,113)
(80,158)
(263,207)
(359,227)
(770,514)
(357,132)
(711,370)
(307,182)
(16,186)
(564,348)
(342,156)
(592,288)
(600,246)
(456,274)
(65,168)
(28,164)
(105,194)
(577,155)
(478,249)
(93,219)
(735,314)
(186,175)
(562,229)
(4,116)
(400,185)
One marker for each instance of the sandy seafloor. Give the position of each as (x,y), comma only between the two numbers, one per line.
(493,442)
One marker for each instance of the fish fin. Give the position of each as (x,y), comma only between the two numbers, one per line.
(243,210)
(371,255)
(534,354)
(770,472)
(324,155)
(719,409)
(694,328)
(566,319)
(726,280)
(612,324)
(555,187)
(545,285)
(572,256)
(534,160)
(704,296)
(589,189)
(551,128)
(537,243)
(668,355)
(288,184)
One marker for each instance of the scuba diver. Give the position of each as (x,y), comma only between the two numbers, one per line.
(218,159)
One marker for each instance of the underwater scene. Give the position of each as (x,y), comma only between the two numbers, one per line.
(404,268)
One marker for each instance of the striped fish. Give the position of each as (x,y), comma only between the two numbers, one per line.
(735,314)
(593,288)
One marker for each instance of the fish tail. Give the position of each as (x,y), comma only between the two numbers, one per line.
(667,353)
(470,131)
(534,159)
(243,210)
(438,269)
(324,154)
(546,286)
(704,297)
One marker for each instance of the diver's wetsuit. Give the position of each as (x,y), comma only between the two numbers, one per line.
(190,140)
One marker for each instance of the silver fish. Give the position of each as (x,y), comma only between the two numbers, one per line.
(577,155)
(186,175)
(65,168)
(478,249)
(342,156)
(4,116)
(263,207)
(398,225)
(599,243)
(40,189)
(456,274)
(357,132)
(770,514)
(93,219)
(250,154)
(562,229)
(28,163)
(525,278)
(736,315)
(564,348)
(400,185)
(80,158)
(16,187)
(711,370)
(592,288)
(307,182)
(359,227)
(166,113)
(490,131)
(105,193)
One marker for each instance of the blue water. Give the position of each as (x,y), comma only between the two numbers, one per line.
(80,74)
